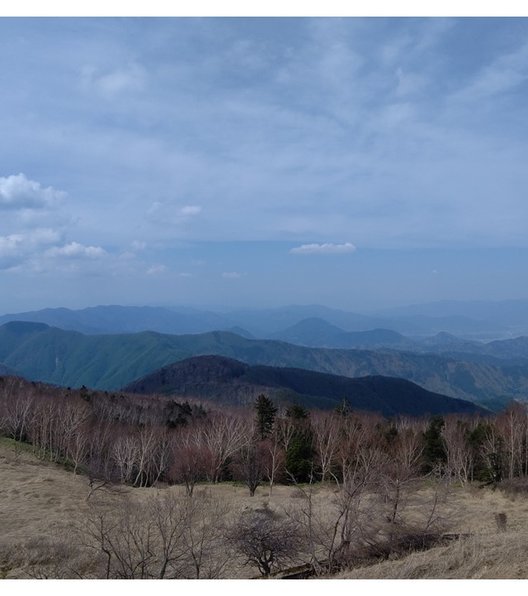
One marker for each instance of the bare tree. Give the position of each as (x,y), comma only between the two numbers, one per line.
(512,426)
(189,458)
(172,536)
(326,429)
(204,536)
(16,409)
(460,457)
(265,540)
(249,465)
(274,457)
(223,435)
(125,454)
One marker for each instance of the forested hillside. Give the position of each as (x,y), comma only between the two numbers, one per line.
(72,359)
(228,381)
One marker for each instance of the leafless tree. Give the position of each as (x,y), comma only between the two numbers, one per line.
(274,458)
(16,408)
(265,540)
(326,430)
(285,428)
(512,427)
(189,458)
(204,535)
(125,454)
(172,536)
(460,456)
(249,465)
(222,435)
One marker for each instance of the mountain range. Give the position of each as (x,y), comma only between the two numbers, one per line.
(316,332)
(266,323)
(224,380)
(69,358)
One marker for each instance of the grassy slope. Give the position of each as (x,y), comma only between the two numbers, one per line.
(38,501)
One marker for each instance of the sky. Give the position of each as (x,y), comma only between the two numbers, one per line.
(357,163)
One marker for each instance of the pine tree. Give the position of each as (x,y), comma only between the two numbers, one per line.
(265,416)
(300,452)
(434,447)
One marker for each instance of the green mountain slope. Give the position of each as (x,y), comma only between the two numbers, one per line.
(111,361)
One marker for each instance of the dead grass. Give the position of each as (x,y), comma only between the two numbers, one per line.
(487,553)
(40,501)
(484,556)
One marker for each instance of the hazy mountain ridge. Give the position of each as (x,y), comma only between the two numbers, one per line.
(262,323)
(111,361)
(509,315)
(124,319)
(315,332)
(230,381)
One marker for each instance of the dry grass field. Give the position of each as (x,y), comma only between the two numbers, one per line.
(40,502)
(487,553)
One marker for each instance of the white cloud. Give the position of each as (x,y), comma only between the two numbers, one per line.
(19,192)
(15,243)
(169,213)
(184,274)
(15,249)
(323,249)
(74,250)
(231,275)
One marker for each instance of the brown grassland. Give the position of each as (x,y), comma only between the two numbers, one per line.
(40,503)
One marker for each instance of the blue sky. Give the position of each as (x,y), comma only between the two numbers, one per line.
(359,163)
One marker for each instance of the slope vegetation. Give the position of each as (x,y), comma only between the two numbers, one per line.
(69,358)
(230,381)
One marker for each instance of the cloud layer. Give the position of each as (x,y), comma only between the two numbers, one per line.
(323,249)
(143,144)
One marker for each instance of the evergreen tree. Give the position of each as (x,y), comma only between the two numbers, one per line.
(434,447)
(265,416)
(297,412)
(343,409)
(300,452)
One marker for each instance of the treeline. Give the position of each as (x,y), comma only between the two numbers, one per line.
(142,441)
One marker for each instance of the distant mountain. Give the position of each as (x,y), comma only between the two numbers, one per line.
(260,323)
(225,380)
(508,316)
(317,332)
(268,322)
(508,348)
(70,358)
(372,339)
(459,325)
(477,309)
(125,319)
(133,319)
(240,331)
(512,350)
(309,332)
